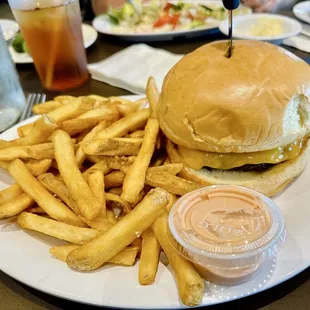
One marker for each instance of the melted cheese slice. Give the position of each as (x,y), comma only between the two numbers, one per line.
(196,159)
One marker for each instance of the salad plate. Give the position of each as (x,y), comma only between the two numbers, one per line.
(302,11)
(162,21)
(89,37)
(118,286)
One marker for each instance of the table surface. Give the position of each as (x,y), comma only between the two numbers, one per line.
(293,294)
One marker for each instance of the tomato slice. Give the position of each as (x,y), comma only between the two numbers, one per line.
(168,7)
(161,21)
(174,20)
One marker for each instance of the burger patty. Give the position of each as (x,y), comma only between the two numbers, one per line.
(248,168)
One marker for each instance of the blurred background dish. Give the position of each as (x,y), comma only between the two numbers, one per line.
(89,37)
(194,18)
(9,28)
(302,11)
(263,27)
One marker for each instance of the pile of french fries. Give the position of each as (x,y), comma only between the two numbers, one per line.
(93,171)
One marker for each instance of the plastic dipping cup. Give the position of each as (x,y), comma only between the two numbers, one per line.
(226,231)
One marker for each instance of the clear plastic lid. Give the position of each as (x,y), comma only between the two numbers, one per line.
(226,227)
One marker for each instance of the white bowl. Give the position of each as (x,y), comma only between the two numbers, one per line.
(242,25)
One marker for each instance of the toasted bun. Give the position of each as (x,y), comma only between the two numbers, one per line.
(270,182)
(257,100)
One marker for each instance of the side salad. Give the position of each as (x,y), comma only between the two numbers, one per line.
(163,16)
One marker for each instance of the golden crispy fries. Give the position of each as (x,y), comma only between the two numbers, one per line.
(127,108)
(78,125)
(121,127)
(114,179)
(152,95)
(119,163)
(38,151)
(36,210)
(10,193)
(94,254)
(173,199)
(57,186)
(105,113)
(36,167)
(134,180)
(80,155)
(96,184)
(95,159)
(116,191)
(171,183)
(65,99)
(44,199)
(116,202)
(102,166)
(172,169)
(62,231)
(86,201)
(111,216)
(149,258)
(46,107)
(190,284)
(24,130)
(43,128)
(137,134)
(77,107)
(125,257)
(15,206)
(113,146)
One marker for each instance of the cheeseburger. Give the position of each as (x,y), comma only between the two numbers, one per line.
(242,120)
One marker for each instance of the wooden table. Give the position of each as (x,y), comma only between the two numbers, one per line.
(293,294)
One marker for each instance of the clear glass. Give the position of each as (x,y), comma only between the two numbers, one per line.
(221,261)
(12,100)
(52,32)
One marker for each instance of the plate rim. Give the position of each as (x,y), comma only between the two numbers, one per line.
(298,6)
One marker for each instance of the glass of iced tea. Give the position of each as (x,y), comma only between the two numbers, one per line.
(52,32)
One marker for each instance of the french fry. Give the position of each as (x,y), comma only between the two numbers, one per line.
(137,134)
(31,186)
(105,113)
(96,184)
(134,179)
(131,122)
(36,210)
(43,128)
(95,159)
(125,257)
(78,125)
(77,107)
(15,206)
(95,253)
(119,162)
(171,183)
(102,166)
(172,169)
(46,107)
(39,151)
(58,187)
(113,146)
(80,137)
(65,99)
(190,284)
(116,202)
(87,203)
(62,231)
(36,167)
(173,199)
(10,193)
(99,98)
(24,130)
(127,108)
(149,258)
(111,216)
(152,95)
(116,191)
(114,179)
(80,155)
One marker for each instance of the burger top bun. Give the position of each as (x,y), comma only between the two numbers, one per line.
(256,100)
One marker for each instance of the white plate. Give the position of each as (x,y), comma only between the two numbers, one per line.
(103,25)
(302,11)
(89,37)
(25,257)
(9,28)
(242,24)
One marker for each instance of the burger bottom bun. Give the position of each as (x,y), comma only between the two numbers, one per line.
(269,182)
